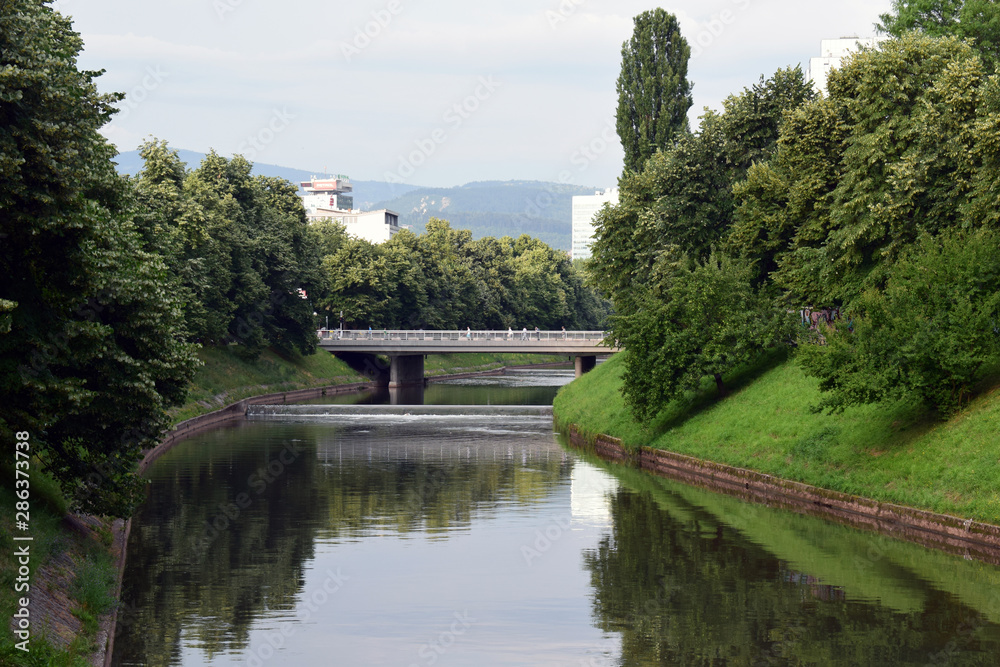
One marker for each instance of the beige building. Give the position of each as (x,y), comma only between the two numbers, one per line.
(372,226)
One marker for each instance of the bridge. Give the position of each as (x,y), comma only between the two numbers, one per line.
(406,349)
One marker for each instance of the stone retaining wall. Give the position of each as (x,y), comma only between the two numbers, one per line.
(964,537)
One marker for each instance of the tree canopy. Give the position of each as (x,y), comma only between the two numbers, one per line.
(91,349)
(876,201)
(654,94)
(666,242)
(978,20)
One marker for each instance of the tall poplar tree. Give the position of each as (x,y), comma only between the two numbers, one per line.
(654,94)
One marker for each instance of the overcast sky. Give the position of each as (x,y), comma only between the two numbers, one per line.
(430,92)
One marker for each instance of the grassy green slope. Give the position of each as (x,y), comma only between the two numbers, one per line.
(894,453)
(447,364)
(225,378)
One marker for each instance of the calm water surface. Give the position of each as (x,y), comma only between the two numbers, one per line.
(479,540)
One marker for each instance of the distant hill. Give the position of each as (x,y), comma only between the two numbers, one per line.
(486,208)
(495,208)
(366,193)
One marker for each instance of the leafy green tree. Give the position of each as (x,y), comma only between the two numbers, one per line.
(859,175)
(654,94)
(703,319)
(978,20)
(491,263)
(360,280)
(92,351)
(265,251)
(983,205)
(448,280)
(682,200)
(442,279)
(933,331)
(192,238)
(783,215)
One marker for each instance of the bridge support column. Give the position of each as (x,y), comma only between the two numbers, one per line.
(411,395)
(584,364)
(406,371)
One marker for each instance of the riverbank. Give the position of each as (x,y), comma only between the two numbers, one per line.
(891,454)
(73,615)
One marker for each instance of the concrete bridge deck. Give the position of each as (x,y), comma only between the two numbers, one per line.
(407,348)
(392,343)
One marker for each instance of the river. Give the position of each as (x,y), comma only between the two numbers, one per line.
(479,539)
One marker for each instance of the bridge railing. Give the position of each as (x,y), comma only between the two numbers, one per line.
(491,335)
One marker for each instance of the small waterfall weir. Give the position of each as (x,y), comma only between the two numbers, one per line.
(264,412)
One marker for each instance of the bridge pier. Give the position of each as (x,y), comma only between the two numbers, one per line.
(411,395)
(406,371)
(584,364)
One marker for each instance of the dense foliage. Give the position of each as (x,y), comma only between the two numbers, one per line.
(238,247)
(91,343)
(685,305)
(875,200)
(654,94)
(862,202)
(253,272)
(443,279)
(976,20)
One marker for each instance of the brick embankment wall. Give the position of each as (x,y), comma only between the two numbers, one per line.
(963,537)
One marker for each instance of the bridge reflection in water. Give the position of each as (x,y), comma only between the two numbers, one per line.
(406,348)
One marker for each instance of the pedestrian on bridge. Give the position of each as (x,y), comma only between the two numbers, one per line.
(468,333)
(524,333)
(510,334)
(538,336)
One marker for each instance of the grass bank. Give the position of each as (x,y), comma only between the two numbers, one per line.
(892,453)
(225,378)
(69,581)
(449,364)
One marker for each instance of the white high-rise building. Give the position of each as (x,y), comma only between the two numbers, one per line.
(328,193)
(585,207)
(834,51)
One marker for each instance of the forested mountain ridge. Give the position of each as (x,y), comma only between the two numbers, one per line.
(486,208)
(495,208)
(367,194)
